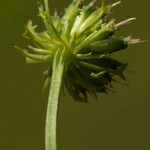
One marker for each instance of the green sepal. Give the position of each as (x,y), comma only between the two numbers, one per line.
(84,81)
(47,19)
(108,46)
(73,6)
(33,61)
(106,61)
(104,33)
(99,78)
(102,77)
(100,68)
(94,18)
(84,14)
(76,91)
(40,51)
(91,66)
(69,19)
(30,33)
(90,21)
(33,57)
(57,21)
(41,39)
(81,79)
(98,26)
(45,36)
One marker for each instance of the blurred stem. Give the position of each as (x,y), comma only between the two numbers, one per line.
(59,65)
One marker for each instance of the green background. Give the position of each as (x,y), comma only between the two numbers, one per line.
(117,121)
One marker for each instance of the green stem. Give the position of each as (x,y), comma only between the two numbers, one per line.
(59,65)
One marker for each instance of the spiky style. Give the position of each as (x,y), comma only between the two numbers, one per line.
(89,38)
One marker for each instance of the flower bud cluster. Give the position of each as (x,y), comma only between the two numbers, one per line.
(89,37)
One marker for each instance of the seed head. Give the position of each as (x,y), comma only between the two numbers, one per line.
(89,38)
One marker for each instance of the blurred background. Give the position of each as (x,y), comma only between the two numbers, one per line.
(118,121)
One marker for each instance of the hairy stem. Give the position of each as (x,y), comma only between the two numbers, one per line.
(59,65)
